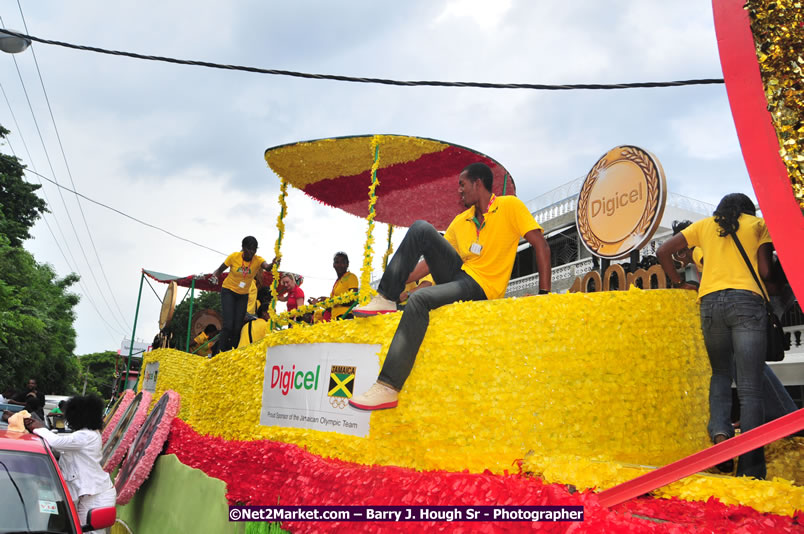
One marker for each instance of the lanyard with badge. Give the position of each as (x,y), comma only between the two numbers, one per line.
(243,269)
(476,247)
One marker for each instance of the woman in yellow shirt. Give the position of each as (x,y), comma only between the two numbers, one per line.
(243,267)
(733,316)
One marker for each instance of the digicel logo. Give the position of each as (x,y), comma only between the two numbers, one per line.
(293,379)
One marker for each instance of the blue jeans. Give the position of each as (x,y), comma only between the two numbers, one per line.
(776,400)
(452,285)
(733,323)
(233,311)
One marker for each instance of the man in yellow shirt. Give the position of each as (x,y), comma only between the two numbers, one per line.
(200,345)
(472,261)
(346,283)
(256,329)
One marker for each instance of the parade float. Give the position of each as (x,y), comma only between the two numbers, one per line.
(539,400)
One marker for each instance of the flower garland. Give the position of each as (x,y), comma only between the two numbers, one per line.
(323,305)
(148,445)
(390,248)
(280,226)
(120,446)
(365,292)
(119,408)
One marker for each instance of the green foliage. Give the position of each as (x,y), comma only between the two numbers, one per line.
(37,338)
(264,528)
(178,325)
(97,370)
(19,204)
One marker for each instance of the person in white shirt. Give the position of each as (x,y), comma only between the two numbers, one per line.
(89,485)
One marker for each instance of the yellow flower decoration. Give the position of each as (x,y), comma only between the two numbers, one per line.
(365,292)
(312,161)
(591,382)
(280,226)
(390,249)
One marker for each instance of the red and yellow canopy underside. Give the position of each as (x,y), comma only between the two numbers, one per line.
(418,177)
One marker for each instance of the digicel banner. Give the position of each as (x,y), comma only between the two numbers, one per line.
(309,386)
(292,379)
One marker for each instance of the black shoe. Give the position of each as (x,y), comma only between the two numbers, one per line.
(726,467)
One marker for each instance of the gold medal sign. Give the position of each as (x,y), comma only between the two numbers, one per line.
(621,202)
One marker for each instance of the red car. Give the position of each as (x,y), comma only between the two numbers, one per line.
(33,495)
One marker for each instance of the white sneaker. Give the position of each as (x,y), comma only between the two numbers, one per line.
(377,304)
(378,397)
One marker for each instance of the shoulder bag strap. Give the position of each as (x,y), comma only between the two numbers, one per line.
(750,267)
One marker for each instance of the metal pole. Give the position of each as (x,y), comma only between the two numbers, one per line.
(133,332)
(190,317)
(634,260)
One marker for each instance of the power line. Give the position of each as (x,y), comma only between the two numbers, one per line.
(381,81)
(47,224)
(70,174)
(64,202)
(16,124)
(47,157)
(125,214)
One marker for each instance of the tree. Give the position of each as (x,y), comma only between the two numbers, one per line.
(20,207)
(97,371)
(178,325)
(37,338)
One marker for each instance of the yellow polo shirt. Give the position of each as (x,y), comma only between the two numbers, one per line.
(697,258)
(507,220)
(200,339)
(415,284)
(259,327)
(241,274)
(724,267)
(347,282)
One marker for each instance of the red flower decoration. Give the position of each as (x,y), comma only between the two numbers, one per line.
(267,472)
(119,410)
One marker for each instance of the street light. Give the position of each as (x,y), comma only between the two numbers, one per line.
(13,44)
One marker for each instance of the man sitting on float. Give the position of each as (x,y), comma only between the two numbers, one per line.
(346,283)
(472,261)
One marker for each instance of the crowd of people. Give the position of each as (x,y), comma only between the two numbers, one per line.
(246,297)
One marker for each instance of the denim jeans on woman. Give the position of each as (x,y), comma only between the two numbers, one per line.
(233,311)
(734,323)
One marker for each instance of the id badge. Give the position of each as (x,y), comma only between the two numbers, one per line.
(242,284)
(476,248)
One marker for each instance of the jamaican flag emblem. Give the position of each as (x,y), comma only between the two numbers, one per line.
(341,381)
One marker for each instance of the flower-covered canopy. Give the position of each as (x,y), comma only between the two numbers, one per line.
(418,177)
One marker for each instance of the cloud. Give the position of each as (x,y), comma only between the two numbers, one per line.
(182,147)
(706,133)
(486,15)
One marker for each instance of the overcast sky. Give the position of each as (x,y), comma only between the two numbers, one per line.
(182,147)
